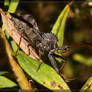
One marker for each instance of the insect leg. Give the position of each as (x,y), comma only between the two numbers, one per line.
(52,59)
(28,49)
(53,62)
(63,59)
(65,48)
(18,46)
(40,62)
(60,57)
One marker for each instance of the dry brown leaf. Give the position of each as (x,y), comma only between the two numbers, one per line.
(16,37)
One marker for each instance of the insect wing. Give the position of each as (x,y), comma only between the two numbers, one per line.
(26,27)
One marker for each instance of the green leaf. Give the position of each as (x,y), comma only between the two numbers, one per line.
(83,59)
(46,75)
(90,88)
(87,86)
(6,83)
(59,26)
(13,6)
(6,2)
(4,72)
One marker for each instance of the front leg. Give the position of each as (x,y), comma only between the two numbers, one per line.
(51,56)
(53,62)
(18,45)
(63,59)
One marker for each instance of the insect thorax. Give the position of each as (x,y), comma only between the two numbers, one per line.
(49,41)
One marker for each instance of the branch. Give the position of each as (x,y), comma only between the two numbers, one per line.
(21,78)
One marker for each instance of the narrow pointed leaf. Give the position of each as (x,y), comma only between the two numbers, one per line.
(13,6)
(87,86)
(6,83)
(46,75)
(4,72)
(83,59)
(59,26)
(6,2)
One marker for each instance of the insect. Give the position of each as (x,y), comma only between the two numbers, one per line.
(27,27)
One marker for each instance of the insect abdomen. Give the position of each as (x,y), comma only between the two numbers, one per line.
(25,25)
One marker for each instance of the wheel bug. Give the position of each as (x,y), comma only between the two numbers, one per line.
(27,27)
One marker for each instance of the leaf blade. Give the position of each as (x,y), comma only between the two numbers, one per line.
(46,75)
(5,82)
(87,86)
(3,72)
(83,59)
(13,6)
(59,26)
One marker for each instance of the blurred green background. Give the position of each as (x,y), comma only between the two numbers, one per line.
(78,30)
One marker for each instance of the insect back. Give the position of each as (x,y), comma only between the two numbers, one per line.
(26,27)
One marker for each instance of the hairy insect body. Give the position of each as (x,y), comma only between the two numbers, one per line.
(24,28)
(49,41)
(28,29)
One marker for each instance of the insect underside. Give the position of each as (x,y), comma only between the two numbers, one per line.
(28,29)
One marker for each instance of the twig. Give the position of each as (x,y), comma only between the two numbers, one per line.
(21,78)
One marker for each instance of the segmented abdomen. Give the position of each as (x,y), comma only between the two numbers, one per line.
(26,26)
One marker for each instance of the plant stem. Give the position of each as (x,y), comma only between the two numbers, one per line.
(21,78)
